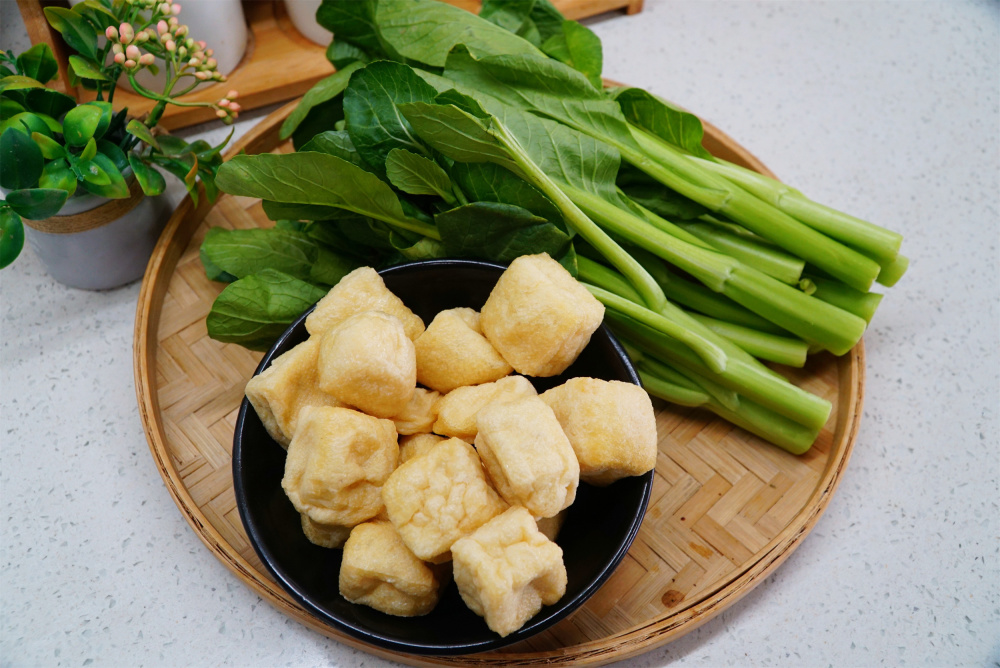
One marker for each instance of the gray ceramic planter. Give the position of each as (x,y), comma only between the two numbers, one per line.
(108,255)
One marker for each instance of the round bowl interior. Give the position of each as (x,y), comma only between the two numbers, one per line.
(598,530)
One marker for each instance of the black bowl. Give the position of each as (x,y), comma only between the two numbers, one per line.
(599,526)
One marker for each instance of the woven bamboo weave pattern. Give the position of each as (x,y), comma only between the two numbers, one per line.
(725,509)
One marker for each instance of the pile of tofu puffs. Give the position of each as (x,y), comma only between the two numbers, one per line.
(427,455)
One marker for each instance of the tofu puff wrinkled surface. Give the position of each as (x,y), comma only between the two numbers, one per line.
(337,463)
(439,496)
(361,290)
(507,570)
(419,414)
(368,362)
(610,424)
(330,536)
(284,388)
(457,410)
(538,317)
(527,456)
(415,445)
(453,352)
(379,571)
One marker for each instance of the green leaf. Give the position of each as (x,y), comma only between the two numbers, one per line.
(427,31)
(51,149)
(498,232)
(116,188)
(11,236)
(86,69)
(353,21)
(313,178)
(21,160)
(89,151)
(456,133)
(577,46)
(510,15)
(9,107)
(373,122)
(28,122)
(107,114)
(656,197)
(486,182)
(424,249)
(174,146)
(75,29)
(213,272)
(81,123)
(658,117)
(37,203)
(343,53)
(254,311)
(18,82)
(150,180)
(338,143)
(142,133)
(245,252)
(416,175)
(57,174)
(321,118)
(112,151)
(307,212)
(330,267)
(97,13)
(323,91)
(49,102)
(39,63)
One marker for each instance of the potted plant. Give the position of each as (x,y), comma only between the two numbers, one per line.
(80,180)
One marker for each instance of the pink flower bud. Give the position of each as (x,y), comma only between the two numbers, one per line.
(117,48)
(170,46)
(120,58)
(147,59)
(175,9)
(111,33)
(164,8)
(173,22)
(232,95)
(194,62)
(129,64)
(181,31)
(132,52)
(218,77)
(233,107)
(209,52)
(211,63)
(224,103)
(162,28)
(141,36)
(221,113)
(201,76)
(126,32)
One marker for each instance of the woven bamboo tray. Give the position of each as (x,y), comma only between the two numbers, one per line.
(726,509)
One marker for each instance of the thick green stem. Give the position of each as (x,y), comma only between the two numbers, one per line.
(763,257)
(874,241)
(673,169)
(808,318)
(764,346)
(861,304)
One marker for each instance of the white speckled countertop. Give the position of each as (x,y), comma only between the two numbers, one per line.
(888,110)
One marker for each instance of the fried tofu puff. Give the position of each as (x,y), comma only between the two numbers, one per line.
(416,445)
(368,362)
(453,352)
(610,424)
(457,410)
(361,290)
(436,498)
(285,387)
(539,317)
(507,570)
(379,571)
(527,456)
(337,463)
(325,535)
(419,415)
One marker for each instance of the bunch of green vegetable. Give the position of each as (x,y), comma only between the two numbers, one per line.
(51,147)
(447,134)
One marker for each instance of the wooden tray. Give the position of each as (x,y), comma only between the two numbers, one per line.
(725,511)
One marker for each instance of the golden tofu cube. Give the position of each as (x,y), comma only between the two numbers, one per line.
(379,571)
(550,526)
(285,387)
(325,535)
(453,352)
(419,415)
(457,409)
(527,456)
(539,317)
(368,362)
(416,445)
(610,424)
(507,570)
(337,463)
(361,290)
(438,497)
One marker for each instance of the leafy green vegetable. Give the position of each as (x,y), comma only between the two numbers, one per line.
(577,46)
(36,203)
(417,175)
(245,252)
(499,232)
(323,91)
(21,160)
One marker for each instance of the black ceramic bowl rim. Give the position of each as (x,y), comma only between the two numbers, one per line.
(544,619)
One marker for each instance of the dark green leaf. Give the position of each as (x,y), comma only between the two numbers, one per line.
(112,151)
(39,63)
(486,182)
(343,53)
(97,13)
(212,272)
(547,19)
(330,267)
(498,232)
(329,234)
(49,102)
(37,203)
(338,143)
(86,69)
(150,180)
(254,311)
(577,46)
(373,122)
(51,149)
(28,122)
(416,175)
(657,117)
(21,160)
(9,107)
(75,29)
(57,174)
(307,212)
(320,119)
(141,132)
(656,197)
(11,236)
(456,133)
(427,31)
(116,188)
(510,15)
(293,225)
(353,21)
(423,249)
(245,252)
(323,91)
(81,124)
(173,146)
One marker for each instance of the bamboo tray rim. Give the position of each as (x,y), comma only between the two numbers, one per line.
(629,643)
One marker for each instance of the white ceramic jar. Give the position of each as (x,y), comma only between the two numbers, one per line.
(303,16)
